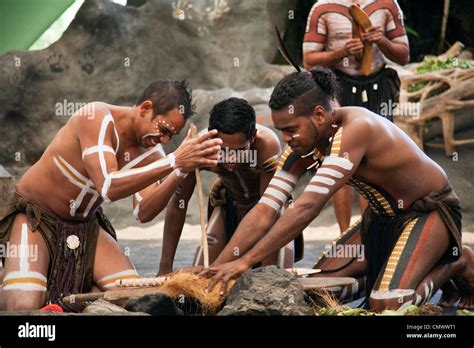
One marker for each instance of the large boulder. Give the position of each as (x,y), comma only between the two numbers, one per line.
(267,291)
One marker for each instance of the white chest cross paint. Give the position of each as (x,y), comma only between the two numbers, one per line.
(85,184)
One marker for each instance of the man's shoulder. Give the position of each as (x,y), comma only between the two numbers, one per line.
(266,138)
(358,121)
(92,116)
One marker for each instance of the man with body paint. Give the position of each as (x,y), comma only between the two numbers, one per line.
(103,153)
(248,160)
(412,228)
(332,40)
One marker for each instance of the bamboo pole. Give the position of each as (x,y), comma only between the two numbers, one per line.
(202,214)
(444,24)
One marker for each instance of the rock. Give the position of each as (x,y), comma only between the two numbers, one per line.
(103,307)
(267,291)
(155,304)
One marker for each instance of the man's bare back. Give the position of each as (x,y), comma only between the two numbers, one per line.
(392,161)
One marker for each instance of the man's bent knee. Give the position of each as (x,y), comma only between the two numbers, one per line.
(390,299)
(22,301)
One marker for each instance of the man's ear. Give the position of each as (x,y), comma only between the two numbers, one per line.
(145,107)
(319,115)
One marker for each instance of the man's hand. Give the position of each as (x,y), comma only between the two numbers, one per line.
(202,151)
(354,46)
(225,272)
(373,35)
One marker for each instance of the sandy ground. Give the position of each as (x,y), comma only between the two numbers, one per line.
(143,244)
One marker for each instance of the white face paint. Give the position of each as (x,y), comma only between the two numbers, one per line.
(151,135)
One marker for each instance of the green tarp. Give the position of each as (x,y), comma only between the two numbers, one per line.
(23,21)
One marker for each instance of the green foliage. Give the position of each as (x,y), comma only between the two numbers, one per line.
(464,313)
(431,64)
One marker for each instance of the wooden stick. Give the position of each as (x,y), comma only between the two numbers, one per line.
(444,24)
(112,295)
(140,282)
(202,214)
(361,18)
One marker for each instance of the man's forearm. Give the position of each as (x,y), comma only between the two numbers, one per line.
(123,183)
(287,228)
(252,228)
(395,51)
(174,221)
(155,201)
(324,58)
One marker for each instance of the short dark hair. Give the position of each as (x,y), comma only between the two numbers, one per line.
(167,95)
(305,90)
(233,115)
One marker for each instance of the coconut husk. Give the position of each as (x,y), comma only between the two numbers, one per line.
(186,284)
